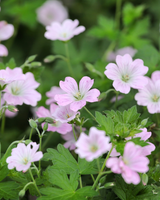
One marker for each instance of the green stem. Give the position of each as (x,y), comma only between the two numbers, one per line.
(40,147)
(80,181)
(101,171)
(68,59)
(90,113)
(35,167)
(30,136)
(0,102)
(46,140)
(118,14)
(109,49)
(30,183)
(98,177)
(93,178)
(74,132)
(3,121)
(34,181)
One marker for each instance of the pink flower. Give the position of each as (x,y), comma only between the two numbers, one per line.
(3,50)
(127,73)
(51,11)
(150,96)
(126,50)
(144,135)
(93,145)
(64,114)
(23,91)
(64,31)
(6,30)
(130,163)
(22,156)
(77,97)
(51,94)
(62,128)
(155,76)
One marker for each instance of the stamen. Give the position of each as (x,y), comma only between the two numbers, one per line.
(93,148)
(125,78)
(155,98)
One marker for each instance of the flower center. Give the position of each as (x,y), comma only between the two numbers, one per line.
(125,78)
(68,116)
(78,96)
(15,91)
(93,148)
(126,162)
(2,79)
(155,98)
(25,161)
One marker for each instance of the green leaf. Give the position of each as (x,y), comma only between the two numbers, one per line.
(105,122)
(4,171)
(91,68)
(11,64)
(63,160)
(130,115)
(8,190)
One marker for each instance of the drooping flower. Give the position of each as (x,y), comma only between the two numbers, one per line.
(22,156)
(51,11)
(22,91)
(64,31)
(51,94)
(58,126)
(130,163)
(127,73)
(126,50)
(6,30)
(77,98)
(3,50)
(93,145)
(150,96)
(64,114)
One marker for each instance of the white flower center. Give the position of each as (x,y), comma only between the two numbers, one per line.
(155,98)
(126,162)
(15,91)
(93,148)
(78,96)
(125,78)
(25,161)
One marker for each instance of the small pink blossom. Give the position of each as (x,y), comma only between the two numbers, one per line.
(3,50)
(23,91)
(51,11)
(127,73)
(64,114)
(58,126)
(150,96)
(126,50)
(130,163)
(64,31)
(6,30)
(77,98)
(22,156)
(155,76)
(51,94)
(93,145)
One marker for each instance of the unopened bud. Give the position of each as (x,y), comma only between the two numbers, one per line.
(22,193)
(12,108)
(41,119)
(49,120)
(32,123)
(45,127)
(144,122)
(144,179)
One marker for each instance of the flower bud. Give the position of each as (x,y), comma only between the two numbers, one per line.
(41,119)
(144,179)
(32,123)
(45,127)
(22,193)
(12,108)
(49,120)
(144,122)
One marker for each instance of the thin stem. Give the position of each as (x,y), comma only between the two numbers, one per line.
(80,181)
(34,181)
(118,13)
(30,136)
(90,113)
(40,147)
(46,140)
(35,167)
(27,185)
(93,178)
(3,121)
(0,101)
(109,49)
(98,165)
(74,132)
(68,59)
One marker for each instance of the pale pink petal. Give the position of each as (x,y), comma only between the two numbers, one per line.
(3,50)
(92,95)
(64,99)
(85,84)
(69,85)
(6,31)
(121,86)
(77,105)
